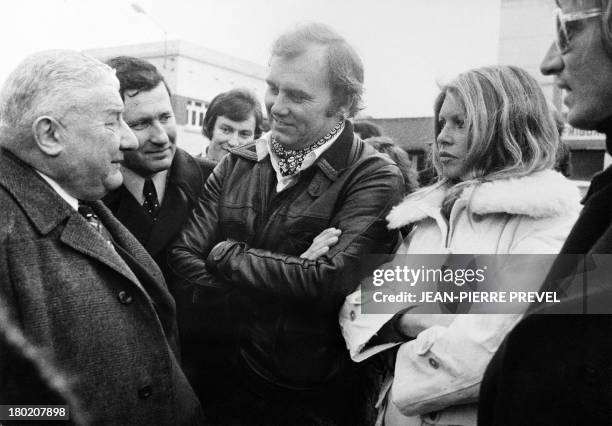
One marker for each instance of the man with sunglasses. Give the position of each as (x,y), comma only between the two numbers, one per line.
(557,369)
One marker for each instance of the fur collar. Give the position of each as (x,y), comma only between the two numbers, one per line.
(542,194)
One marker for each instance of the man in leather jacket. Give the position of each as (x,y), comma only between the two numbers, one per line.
(256,245)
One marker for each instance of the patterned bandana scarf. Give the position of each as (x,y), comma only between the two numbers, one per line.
(290,161)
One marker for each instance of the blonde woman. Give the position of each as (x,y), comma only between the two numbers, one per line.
(495,148)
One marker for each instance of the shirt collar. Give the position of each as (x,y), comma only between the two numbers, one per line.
(134,183)
(73,202)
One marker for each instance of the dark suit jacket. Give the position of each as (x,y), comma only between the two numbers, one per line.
(557,369)
(109,327)
(186,179)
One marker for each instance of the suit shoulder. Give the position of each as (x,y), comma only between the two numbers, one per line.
(374,163)
(186,164)
(189,172)
(371,155)
(205,165)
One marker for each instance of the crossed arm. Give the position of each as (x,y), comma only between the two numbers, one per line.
(326,271)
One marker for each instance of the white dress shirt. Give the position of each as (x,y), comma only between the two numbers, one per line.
(134,183)
(73,202)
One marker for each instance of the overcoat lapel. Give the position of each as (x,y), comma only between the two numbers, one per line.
(130,244)
(83,238)
(47,211)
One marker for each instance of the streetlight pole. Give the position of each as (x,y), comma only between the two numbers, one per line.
(139,9)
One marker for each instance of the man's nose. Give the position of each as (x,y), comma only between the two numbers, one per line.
(279,106)
(234,139)
(553,62)
(157,133)
(128,141)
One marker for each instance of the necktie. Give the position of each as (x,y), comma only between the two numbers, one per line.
(87,212)
(151,204)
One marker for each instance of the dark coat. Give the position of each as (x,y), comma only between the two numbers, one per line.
(186,179)
(552,368)
(244,241)
(36,380)
(104,317)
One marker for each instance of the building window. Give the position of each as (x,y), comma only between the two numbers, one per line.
(195,114)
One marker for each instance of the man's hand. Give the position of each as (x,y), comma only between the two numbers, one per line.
(321,244)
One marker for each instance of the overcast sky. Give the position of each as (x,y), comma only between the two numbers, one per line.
(406,45)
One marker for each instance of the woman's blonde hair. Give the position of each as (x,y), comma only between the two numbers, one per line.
(511,130)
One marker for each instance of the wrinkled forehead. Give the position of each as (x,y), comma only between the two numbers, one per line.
(83,86)
(311,61)
(102,88)
(99,97)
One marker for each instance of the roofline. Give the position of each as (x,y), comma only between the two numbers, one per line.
(184,49)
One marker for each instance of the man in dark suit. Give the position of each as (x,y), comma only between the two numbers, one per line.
(75,282)
(161,183)
(555,368)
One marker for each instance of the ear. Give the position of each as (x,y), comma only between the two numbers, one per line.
(46,135)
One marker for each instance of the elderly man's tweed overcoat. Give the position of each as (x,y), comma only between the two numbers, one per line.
(103,316)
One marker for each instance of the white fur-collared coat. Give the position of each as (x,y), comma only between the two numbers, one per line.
(443,366)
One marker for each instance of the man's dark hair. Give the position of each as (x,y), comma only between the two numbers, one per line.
(236,105)
(135,74)
(366,129)
(345,69)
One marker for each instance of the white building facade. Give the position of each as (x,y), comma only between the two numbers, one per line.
(194,75)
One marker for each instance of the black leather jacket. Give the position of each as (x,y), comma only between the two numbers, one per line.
(244,240)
